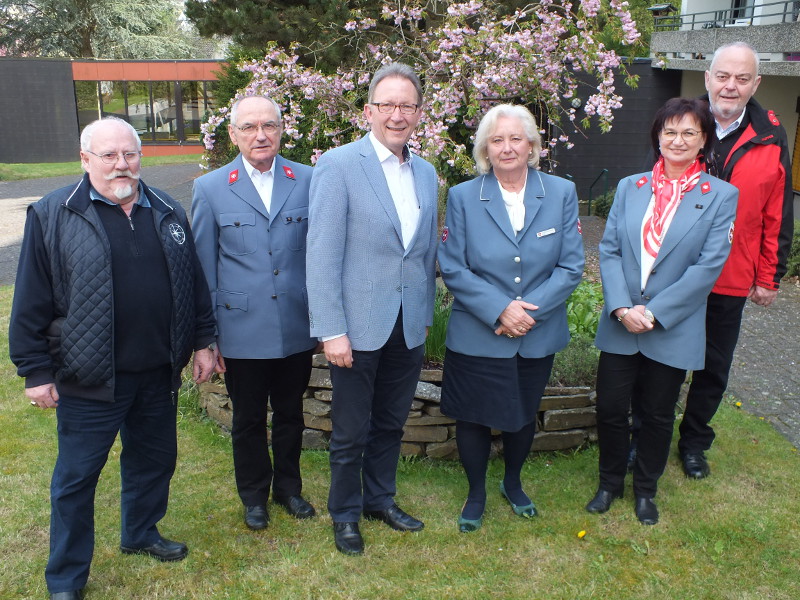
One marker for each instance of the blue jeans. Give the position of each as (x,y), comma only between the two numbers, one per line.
(143,412)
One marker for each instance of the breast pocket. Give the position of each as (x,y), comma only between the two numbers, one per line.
(237,233)
(295,223)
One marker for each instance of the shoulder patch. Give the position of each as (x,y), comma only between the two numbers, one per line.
(773,118)
(288,172)
(233,176)
(705,187)
(641,181)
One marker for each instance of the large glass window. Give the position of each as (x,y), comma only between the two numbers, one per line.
(160,111)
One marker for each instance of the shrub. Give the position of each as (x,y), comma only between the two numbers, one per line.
(602,204)
(576,364)
(794,253)
(583,309)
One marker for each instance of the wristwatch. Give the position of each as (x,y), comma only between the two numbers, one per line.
(212,346)
(624,312)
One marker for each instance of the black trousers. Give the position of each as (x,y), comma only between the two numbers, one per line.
(371,401)
(723,322)
(660,384)
(251,384)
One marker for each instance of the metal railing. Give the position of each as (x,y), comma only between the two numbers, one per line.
(786,11)
(603,175)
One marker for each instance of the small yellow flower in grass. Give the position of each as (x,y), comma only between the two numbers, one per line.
(738,405)
(581,534)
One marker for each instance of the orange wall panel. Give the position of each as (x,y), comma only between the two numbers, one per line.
(145,70)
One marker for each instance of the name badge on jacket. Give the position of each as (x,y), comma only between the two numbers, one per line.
(546,232)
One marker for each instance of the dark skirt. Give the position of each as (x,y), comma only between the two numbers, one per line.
(501,393)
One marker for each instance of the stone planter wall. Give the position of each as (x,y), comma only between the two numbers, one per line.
(566,417)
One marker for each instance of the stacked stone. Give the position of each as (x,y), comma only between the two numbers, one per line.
(566,416)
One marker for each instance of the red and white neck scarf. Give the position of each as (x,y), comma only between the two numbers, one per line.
(667,196)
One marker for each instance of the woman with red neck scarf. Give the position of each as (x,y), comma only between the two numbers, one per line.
(667,237)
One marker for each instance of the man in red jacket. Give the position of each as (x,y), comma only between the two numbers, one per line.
(752,153)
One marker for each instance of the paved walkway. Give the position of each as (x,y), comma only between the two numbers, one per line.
(765,376)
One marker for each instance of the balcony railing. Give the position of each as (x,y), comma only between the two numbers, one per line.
(762,14)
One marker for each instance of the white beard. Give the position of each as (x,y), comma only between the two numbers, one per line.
(123,191)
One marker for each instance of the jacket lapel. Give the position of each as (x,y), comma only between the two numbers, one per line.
(282,186)
(242,186)
(374,174)
(490,194)
(534,196)
(635,210)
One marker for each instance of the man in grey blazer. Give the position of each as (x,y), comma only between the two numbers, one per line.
(371,280)
(250,220)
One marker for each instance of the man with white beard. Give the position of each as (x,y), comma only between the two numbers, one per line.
(109,304)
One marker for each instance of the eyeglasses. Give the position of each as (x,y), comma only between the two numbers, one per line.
(387,108)
(111,158)
(250,129)
(688,136)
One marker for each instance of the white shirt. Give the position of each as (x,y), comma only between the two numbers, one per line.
(400,179)
(721,133)
(515,206)
(263,182)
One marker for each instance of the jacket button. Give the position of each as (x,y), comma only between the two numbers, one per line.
(276,271)
(398,288)
(274,296)
(517,259)
(517,279)
(519,298)
(227,305)
(236,223)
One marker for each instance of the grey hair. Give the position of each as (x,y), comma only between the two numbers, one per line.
(235,107)
(487,125)
(743,45)
(88,132)
(395,70)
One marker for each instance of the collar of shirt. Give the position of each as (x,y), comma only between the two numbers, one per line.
(384,153)
(141,200)
(263,182)
(721,133)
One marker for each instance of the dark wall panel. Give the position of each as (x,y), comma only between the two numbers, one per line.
(624,149)
(39,117)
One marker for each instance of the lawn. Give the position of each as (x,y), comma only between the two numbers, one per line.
(17,171)
(733,536)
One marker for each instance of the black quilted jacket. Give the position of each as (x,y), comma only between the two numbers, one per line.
(62,317)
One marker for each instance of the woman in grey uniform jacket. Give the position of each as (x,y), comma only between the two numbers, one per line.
(511,254)
(666,239)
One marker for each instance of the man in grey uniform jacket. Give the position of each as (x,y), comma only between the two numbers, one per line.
(250,220)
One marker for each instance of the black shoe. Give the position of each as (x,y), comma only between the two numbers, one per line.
(256,517)
(602,501)
(348,538)
(695,465)
(646,511)
(73,595)
(164,550)
(297,506)
(396,518)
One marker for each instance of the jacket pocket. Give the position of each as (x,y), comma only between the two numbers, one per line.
(237,233)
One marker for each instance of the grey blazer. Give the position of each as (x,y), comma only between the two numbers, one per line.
(690,259)
(486,265)
(359,274)
(255,262)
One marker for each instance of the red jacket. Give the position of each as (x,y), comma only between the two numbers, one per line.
(759,166)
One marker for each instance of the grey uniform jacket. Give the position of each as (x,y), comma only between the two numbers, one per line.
(255,262)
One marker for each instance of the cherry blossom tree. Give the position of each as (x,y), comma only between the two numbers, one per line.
(545,55)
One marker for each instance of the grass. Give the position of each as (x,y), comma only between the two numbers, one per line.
(17,171)
(733,536)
